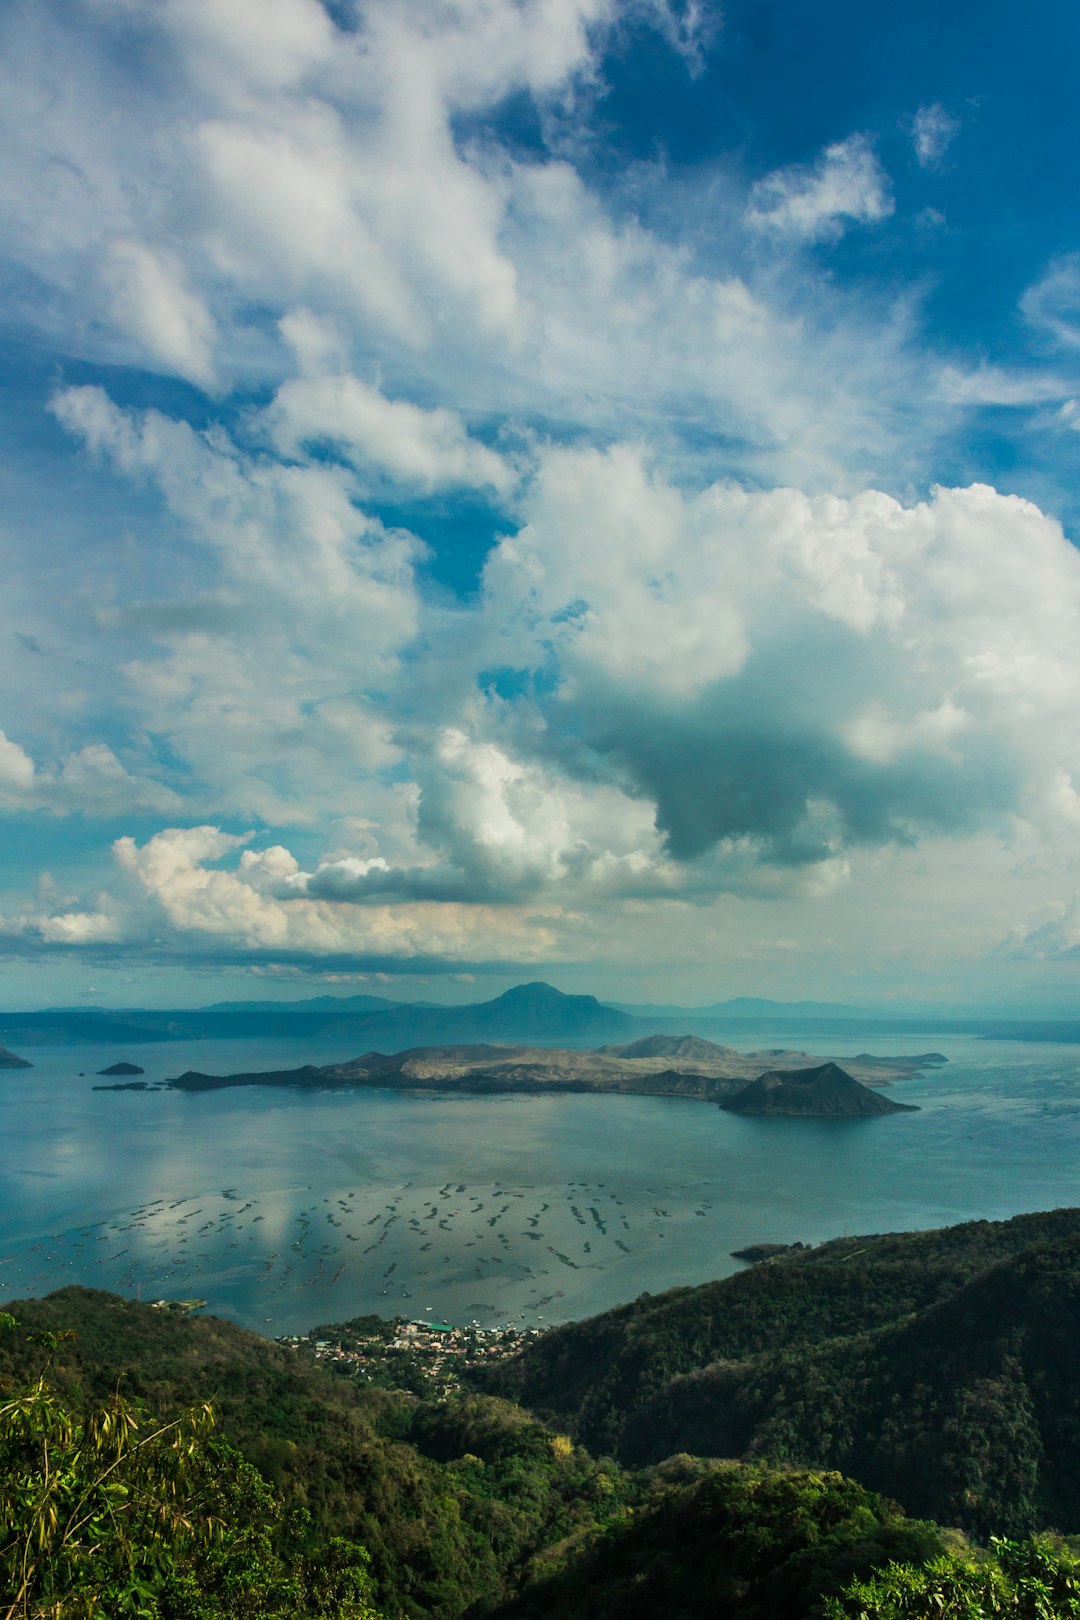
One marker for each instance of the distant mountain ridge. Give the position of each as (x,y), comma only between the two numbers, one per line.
(535,1013)
(342,1004)
(748,1007)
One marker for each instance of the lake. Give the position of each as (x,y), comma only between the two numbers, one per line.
(285,1209)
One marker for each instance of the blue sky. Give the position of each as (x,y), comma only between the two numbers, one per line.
(540,487)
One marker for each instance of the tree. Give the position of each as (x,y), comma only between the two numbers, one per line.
(1036,1579)
(107,1513)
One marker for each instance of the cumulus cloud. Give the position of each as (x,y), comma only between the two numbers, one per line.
(347,168)
(661,686)
(290,530)
(268,44)
(846,185)
(808,675)
(203,890)
(1055,937)
(265,696)
(90,781)
(933,132)
(17,772)
(292,154)
(381,210)
(656,692)
(426,449)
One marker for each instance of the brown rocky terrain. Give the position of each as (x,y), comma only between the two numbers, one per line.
(670,1066)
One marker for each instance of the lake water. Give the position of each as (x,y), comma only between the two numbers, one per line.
(288,1209)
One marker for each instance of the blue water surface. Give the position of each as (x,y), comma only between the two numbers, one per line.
(283,1209)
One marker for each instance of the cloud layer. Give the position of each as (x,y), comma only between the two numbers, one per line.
(654,694)
(486,549)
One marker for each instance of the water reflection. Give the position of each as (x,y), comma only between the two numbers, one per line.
(282,1209)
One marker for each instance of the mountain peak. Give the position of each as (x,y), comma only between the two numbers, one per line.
(825,1091)
(537,995)
(538,1011)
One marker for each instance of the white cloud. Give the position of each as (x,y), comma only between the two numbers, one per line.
(199,889)
(264,697)
(271,45)
(933,132)
(810,675)
(1053,304)
(93,781)
(994,385)
(359,193)
(876,737)
(700,692)
(511,826)
(74,928)
(90,781)
(17,771)
(327,167)
(427,449)
(592,575)
(667,685)
(845,185)
(1056,936)
(152,302)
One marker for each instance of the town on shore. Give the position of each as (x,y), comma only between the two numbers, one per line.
(428,1358)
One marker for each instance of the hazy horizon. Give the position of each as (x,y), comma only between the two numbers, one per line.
(796,1010)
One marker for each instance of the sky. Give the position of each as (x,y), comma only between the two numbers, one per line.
(581,490)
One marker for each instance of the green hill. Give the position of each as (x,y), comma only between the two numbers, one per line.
(932,1366)
(451,1502)
(757,1544)
(470,1506)
(935,1368)
(823,1092)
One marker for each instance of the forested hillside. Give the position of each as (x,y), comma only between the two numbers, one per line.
(467,1506)
(935,1369)
(933,1366)
(449,1500)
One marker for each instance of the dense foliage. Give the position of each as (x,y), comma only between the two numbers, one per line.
(936,1367)
(1037,1579)
(755,1544)
(105,1511)
(467,1505)
(451,1500)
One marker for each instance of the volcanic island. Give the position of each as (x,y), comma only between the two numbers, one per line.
(771,1082)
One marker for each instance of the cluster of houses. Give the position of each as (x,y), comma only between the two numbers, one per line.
(427,1355)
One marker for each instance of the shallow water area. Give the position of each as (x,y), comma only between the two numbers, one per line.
(283,1209)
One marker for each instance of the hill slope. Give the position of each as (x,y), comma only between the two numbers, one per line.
(933,1366)
(687,1047)
(451,1503)
(824,1092)
(469,1505)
